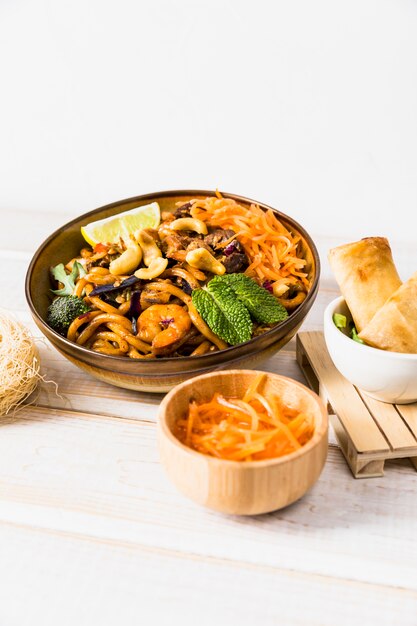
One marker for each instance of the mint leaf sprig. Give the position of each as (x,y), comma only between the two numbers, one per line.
(224,314)
(227,303)
(261,304)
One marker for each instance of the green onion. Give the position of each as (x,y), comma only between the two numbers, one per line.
(355,336)
(339,320)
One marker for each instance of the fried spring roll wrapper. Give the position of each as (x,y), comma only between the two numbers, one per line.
(366,275)
(394,326)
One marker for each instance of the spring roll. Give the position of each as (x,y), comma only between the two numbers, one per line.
(366,275)
(394,326)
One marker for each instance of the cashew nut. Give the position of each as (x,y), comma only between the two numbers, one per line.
(149,248)
(189,223)
(127,261)
(201,259)
(156,267)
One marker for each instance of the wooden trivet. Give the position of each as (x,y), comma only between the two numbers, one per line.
(368,431)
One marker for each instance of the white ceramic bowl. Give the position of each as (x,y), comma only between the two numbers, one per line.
(383,375)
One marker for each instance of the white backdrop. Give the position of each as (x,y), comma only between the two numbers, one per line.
(308,106)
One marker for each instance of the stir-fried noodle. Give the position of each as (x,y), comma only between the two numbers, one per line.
(138,290)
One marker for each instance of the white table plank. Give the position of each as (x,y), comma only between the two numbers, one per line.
(101,477)
(83,581)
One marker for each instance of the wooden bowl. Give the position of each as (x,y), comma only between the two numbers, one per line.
(156,375)
(242,488)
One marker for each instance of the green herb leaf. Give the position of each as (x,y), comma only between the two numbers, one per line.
(339,320)
(81,269)
(355,336)
(68,280)
(224,314)
(261,304)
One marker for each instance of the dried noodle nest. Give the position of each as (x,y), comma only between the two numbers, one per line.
(19,363)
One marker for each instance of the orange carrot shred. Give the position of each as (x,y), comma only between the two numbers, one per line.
(254,428)
(273,250)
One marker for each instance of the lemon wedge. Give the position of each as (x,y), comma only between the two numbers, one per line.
(111,228)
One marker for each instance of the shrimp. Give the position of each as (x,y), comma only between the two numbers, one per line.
(165,326)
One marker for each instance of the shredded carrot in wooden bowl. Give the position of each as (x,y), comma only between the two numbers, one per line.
(253,428)
(272,249)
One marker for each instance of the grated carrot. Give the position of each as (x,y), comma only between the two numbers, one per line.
(273,251)
(256,427)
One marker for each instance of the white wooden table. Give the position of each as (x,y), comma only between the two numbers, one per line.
(92,532)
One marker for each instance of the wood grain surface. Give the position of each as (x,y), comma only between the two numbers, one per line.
(92,532)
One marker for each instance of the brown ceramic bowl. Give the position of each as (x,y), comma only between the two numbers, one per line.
(235,487)
(158,375)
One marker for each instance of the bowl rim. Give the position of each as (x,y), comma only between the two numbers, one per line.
(205,358)
(317,437)
(383,354)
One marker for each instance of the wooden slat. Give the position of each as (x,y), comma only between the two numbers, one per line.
(409,414)
(77,390)
(73,579)
(360,467)
(390,422)
(345,400)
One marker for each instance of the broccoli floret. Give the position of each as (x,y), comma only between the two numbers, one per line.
(63,311)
